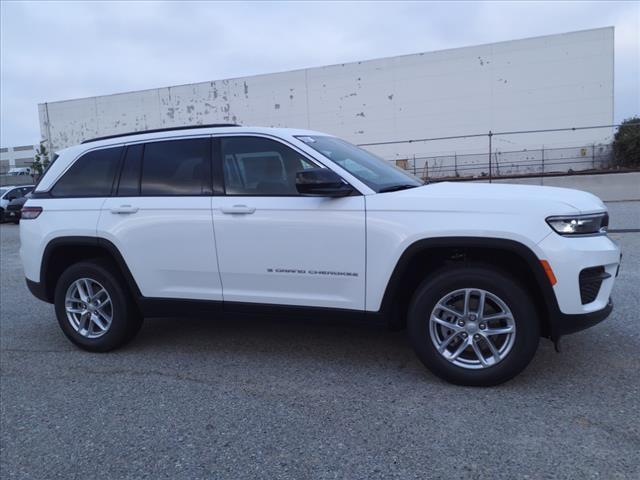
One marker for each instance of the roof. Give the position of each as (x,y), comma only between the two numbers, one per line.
(156,130)
(177,132)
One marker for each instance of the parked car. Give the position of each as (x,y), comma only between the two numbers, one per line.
(296,222)
(16,171)
(13,210)
(9,193)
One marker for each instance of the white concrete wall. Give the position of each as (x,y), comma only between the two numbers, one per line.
(18,156)
(546,82)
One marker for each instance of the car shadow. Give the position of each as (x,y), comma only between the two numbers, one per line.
(353,344)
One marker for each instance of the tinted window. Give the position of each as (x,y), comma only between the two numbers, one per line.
(90,176)
(259,166)
(177,167)
(14,193)
(130,176)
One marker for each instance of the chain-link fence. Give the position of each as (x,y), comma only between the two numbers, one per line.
(569,151)
(512,163)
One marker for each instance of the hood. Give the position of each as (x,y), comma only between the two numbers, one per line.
(496,197)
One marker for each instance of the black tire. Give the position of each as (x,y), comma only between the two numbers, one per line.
(126,320)
(497,282)
(1,215)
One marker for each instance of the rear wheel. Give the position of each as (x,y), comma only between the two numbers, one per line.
(473,326)
(94,309)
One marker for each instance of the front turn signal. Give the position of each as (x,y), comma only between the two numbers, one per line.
(549,272)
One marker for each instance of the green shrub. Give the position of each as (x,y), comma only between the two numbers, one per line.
(626,143)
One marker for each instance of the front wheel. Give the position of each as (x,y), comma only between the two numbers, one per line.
(473,326)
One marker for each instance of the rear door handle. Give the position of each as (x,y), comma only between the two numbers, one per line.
(124,209)
(242,209)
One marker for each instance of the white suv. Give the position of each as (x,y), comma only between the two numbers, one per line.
(227,219)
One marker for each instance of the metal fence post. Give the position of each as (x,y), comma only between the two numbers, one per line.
(490,173)
(541,176)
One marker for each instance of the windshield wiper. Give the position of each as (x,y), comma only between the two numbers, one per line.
(395,188)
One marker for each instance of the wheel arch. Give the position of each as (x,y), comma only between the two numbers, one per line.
(61,252)
(428,255)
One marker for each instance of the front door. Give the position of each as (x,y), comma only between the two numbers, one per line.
(276,246)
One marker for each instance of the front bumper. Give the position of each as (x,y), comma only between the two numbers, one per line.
(12,215)
(568,257)
(37,290)
(566,323)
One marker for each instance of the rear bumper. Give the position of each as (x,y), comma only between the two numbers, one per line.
(37,290)
(566,324)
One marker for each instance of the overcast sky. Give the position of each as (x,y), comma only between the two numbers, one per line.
(60,50)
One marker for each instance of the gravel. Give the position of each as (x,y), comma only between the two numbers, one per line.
(215,398)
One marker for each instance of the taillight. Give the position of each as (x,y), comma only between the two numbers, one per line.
(29,213)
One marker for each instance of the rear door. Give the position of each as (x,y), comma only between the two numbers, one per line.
(160,219)
(276,246)
(73,204)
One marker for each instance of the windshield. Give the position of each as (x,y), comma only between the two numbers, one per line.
(378,174)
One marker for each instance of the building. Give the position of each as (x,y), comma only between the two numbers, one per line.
(21,156)
(548,82)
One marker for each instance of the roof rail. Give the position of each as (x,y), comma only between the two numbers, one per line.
(156,130)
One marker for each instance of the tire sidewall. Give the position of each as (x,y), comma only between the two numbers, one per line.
(495,282)
(119,329)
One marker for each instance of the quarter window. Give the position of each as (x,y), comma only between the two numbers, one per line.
(176,167)
(260,166)
(90,176)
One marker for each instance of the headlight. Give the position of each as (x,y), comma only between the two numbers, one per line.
(595,224)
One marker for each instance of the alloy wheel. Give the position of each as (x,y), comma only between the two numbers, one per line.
(472,328)
(89,308)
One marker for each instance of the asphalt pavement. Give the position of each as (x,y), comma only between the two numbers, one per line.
(270,399)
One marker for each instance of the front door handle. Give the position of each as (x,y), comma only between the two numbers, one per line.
(242,209)
(124,209)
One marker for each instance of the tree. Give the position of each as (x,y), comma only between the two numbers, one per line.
(626,143)
(41,160)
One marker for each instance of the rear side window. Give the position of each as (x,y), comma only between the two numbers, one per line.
(90,176)
(130,176)
(176,167)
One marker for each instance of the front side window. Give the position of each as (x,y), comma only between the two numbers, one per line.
(90,176)
(176,167)
(260,166)
(376,173)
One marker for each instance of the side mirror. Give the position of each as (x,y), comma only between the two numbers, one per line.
(321,182)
